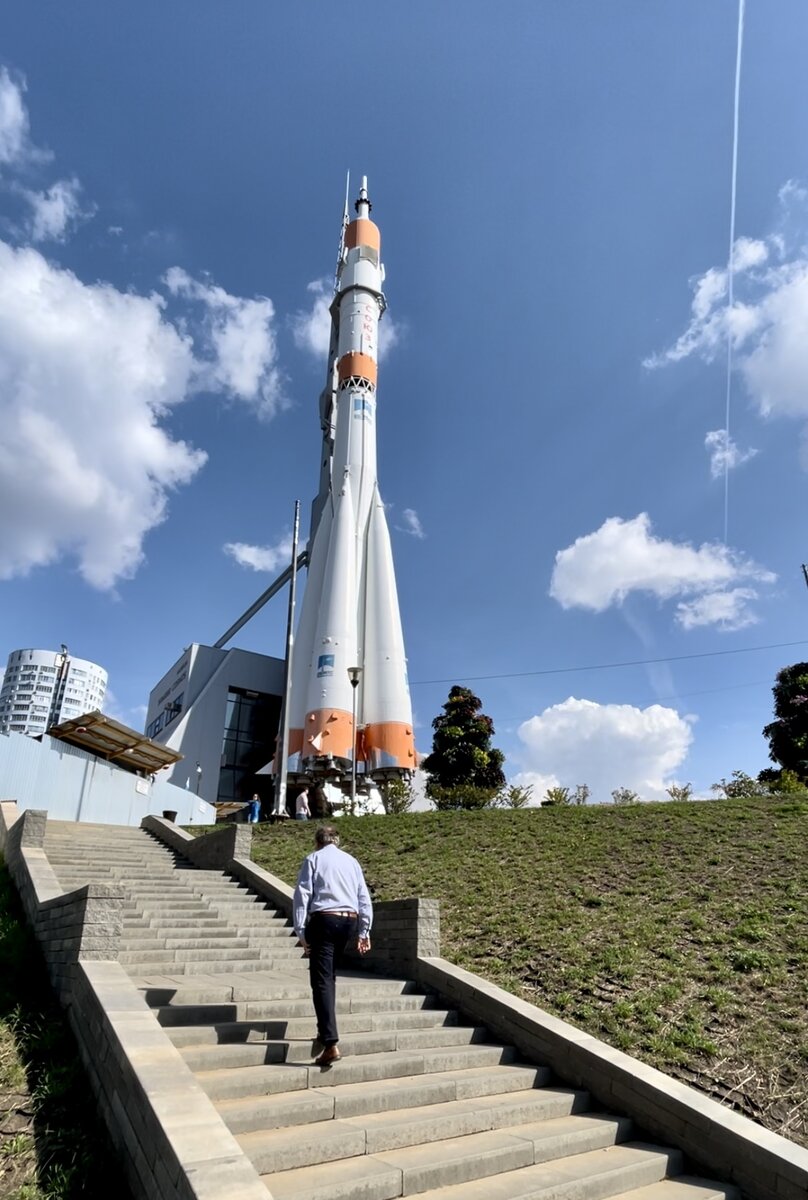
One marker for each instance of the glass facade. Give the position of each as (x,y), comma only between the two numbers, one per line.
(250,730)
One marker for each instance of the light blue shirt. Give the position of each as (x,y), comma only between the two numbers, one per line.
(330,878)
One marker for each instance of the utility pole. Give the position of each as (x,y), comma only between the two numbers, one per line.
(282,754)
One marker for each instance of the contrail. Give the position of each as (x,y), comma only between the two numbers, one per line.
(731,260)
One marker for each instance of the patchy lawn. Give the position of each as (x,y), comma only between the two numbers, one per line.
(676,932)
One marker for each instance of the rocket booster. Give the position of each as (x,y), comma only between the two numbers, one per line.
(350,615)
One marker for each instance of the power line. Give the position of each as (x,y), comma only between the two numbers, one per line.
(633,662)
(730,687)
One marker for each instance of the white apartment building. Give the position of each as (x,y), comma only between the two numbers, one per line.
(43,687)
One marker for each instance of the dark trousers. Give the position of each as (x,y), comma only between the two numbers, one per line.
(327,937)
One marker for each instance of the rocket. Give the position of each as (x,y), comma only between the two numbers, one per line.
(350,625)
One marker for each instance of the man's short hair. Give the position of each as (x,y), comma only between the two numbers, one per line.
(326,835)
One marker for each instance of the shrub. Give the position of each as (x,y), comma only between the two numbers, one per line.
(513,796)
(625,796)
(557,796)
(680,791)
(462,796)
(396,794)
(740,787)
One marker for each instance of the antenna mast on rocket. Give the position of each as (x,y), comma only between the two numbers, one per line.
(344,226)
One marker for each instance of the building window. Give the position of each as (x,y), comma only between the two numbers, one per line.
(250,731)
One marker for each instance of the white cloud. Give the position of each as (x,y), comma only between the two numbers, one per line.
(85,374)
(769,316)
(238,340)
(390,334)
(601,569)
(412,524)
(728,610)
(261,558)
(53,211)
(747,253)
(605,746)
(725,454)
(311,328)
(15,146)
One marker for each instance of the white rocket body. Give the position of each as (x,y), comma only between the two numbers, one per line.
(350,615)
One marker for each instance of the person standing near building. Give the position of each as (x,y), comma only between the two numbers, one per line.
(255,809)
(331,906)
(302,810)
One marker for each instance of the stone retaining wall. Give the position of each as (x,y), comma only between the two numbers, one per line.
(70,926)
(212,851)
(161,1122)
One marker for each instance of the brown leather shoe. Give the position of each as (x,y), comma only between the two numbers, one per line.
(328,1057)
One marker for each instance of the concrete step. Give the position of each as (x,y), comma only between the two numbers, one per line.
(456,1144)
(145,931)
(399,1100)
(488,1168)
(684,1187)
(177,955)
(383,1095)
(239,1079)
(420,1007)
(179,923)
(304,1028)
(263,930)
(224,885)
(145,946)
(169,913)
(227,966)
(169,890)
(274,992)
(260,912)
(242,1049)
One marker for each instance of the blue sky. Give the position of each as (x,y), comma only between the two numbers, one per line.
(552,182)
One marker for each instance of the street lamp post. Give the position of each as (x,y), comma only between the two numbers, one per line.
(354,674)
(198,778)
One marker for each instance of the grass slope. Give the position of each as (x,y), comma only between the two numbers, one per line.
(677,932)
(52,1147)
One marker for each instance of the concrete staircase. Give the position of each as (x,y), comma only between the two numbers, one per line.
(422,1102)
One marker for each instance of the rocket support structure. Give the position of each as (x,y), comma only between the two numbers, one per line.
(350,615)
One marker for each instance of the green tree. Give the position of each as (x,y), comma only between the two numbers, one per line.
(462,755)
(787,734)
(581,794)
(680,791)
